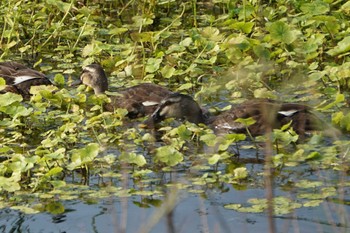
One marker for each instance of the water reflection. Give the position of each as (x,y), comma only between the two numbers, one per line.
(179,211)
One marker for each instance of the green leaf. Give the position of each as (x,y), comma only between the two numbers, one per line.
(59,79)
(233,206)
(209,139)
(185,86)
(4,149)
(9,98)
(62,6)
(245,27)
(308,184)
(313,156)
(315,8)
(264,93)
(343,46)
(2,81)
(139,160)
(286,126)
(211,33)
(286,137)
(184,133)
(91,49)
(186,42)
(153,65)
(312,203)
(342,120)
(240,173)
(281,32)
(11,184)
(246,121)
(58,183)
(332,24)
(339,98)
(117,31)
(262,52)
(229,139)
(246,12)
(169,155)
(25,209)
(140,21)
(346,8)
(143,36)
(54,171)
(133,158)
(214,159)
(55,207)
(83,156)
(24,48)
(168,71)
(22,111)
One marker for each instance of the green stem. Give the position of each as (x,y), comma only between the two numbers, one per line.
(81,32)
(57,28)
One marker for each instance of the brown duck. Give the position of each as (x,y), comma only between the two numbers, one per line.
(266,113)
(139,100)
(19,78)
(178,106)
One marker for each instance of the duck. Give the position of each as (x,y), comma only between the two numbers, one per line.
(20,78)
(265,112)
(139,100)
(179,106)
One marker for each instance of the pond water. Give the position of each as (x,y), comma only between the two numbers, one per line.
(192,213)
(197,209)
(220,52)
(192,196)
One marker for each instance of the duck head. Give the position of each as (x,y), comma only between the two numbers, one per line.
(178,106)
(95,77)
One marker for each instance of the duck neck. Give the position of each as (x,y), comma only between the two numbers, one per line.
(197,118)
(102,87)
(99,90)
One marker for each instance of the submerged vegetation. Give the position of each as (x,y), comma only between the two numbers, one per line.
(62,145)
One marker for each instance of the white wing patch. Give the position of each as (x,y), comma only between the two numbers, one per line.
(23,78)
(228,126)
(288,113)
(150,103)
(223,126)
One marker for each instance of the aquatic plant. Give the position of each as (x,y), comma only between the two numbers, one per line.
(221,52)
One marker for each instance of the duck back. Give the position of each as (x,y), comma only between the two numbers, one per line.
(19,78)
(268,114)
(139,100)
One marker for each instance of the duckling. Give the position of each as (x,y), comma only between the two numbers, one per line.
(139,100)
(19,78)
(265,113)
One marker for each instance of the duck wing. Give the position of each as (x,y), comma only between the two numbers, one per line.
(20,78)
(139,100)
(266,113)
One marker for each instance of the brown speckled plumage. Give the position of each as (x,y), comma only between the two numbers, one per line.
(19,78)
(134,99)
(266,113)
(139,100)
